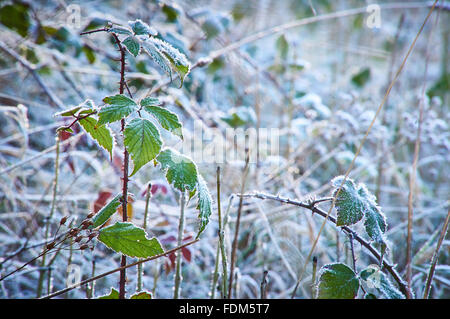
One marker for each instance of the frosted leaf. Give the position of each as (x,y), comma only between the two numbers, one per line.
(337,281)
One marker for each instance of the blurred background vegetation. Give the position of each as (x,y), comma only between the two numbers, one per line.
(319,84)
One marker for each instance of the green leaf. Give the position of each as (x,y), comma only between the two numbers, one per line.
(375,278)
(149,101)
(119,107)
(337,281)
(172,11)
(204,204)
(157,56)
(64,129)
(142,28)
(361,78)
(142,295)
(69,112)
(114,294)
(16,17)
(129,240)
(375,223)
(282,46)
(132,45)
(142,141)
(102,135)
(106,212)
(355,202)
(177,60)
(120,30)
(181,171)
(166,119)
(240,116)
(349,205)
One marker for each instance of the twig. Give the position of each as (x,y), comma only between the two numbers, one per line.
(236,232)
(264,285)
(116,270)
(434,259)
(93,31)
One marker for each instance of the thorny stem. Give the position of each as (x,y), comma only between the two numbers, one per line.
(81,283)
(311,206)
(123,260)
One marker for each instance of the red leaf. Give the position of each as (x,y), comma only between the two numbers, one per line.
(186,254)
(101,200)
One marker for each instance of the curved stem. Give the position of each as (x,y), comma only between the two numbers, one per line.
(123,260)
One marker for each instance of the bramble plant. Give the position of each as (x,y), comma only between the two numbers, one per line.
(142,141)
(283,111)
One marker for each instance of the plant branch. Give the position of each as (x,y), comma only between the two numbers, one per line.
(311,206)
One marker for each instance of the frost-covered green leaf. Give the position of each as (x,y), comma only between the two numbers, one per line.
(119,106)
(282,46)
(362,77)
(149,101)
(157,56)
(337,281)
(167,53)
(69,112)
(181,171)
(376,279)
(142,295)
(86,107)
(355,202)
(166,119)
(240,116)
(142,141)
(114,294)
(375,224)
(102,135)
(204,204)
(132,45)
(120,30)
(141,28)
(129,240)
(106,212)
(349,205)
